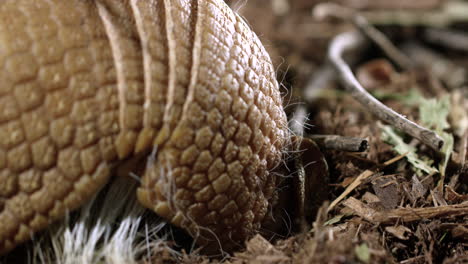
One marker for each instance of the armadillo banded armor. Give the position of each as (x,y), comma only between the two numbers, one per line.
(183,85)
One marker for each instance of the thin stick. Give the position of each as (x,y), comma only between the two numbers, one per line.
(453,75)
(451,12)
(395,4)
(351,15)
(405,214)
(451,39)
(364,175)
(349,41)
(463,150)
(383,42)
(359,179)
(297,125)
(336,142)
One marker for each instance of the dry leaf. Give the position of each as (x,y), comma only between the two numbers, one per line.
(385,187)
(399,232)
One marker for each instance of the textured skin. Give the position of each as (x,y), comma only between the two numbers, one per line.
(184,86)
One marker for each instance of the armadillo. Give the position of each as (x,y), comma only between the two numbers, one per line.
(184,86)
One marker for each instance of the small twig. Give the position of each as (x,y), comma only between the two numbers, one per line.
(364,175)
(417,259)
(451,39)
(383,42)
(462,156)
(405,214)
(452,11)
(393,5)
(440,67)
(349,14)
(395,159)
(333,142)
(352,40)
(297,124)
(299,182)
(336,142)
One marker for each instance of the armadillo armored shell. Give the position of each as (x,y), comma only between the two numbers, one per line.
(184,86)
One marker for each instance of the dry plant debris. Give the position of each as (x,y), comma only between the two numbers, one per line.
(399,201)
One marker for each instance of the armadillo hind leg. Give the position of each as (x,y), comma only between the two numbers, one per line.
(210,173)
(56,126)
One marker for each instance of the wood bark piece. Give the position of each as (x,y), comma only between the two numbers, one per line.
(335,142)
(405,214)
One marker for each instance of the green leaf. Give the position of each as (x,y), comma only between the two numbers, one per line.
(410,98)
(447,149)
(434,112)
(413,97)
(390,136)
(362,252)
(334,220)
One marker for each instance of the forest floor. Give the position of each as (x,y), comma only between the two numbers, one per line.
(396,201)
(399,201)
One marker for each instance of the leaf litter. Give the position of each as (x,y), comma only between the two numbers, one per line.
(400,201)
